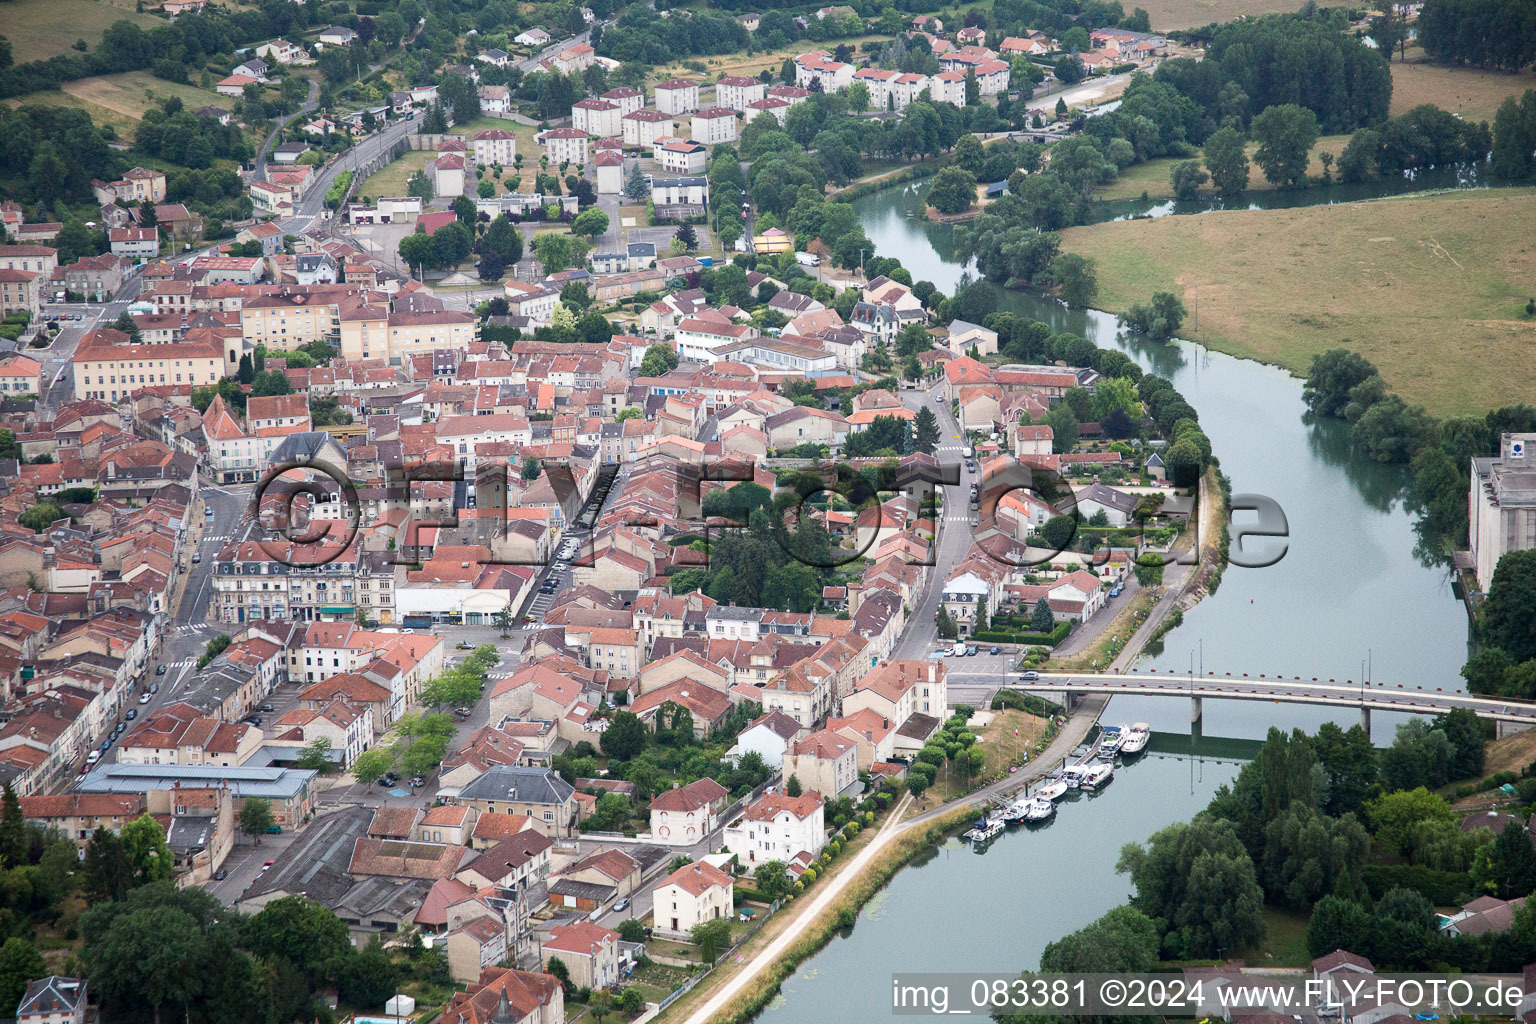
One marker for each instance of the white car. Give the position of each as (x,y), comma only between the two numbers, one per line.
(144,699)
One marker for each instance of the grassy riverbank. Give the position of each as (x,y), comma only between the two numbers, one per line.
(860,890)
(1152,177)
(1431,289)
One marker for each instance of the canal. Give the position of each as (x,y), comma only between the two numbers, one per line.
(1350,589)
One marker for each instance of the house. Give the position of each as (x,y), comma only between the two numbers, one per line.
(532,37)
(824,761)
(609,165)
(234,85)
(590,953)
(537,792)
(495,100)
(768,736)
(680,156)
(597,117)
(1486,915)
(20,376)
(282,51)
(778,827)
(963,336)
(564,145)
(520,862)
(691,895)
(644,126)
(255,69)
(503,994)
(739,92)
(476,944)
(494,57)
(336,35)
(77,816)
(135,243)
(447,173)
(1118,507)
(684,816)
(495,146)
(680,198)
(1340,964)
(677,96)
(714,125)
(53,1000)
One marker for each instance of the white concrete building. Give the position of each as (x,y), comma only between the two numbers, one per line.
(737,91)
(597,117)
(714,125)
(644,126)
(1502,504)
(677,96)
(495,146)
(564,145)
(777,827)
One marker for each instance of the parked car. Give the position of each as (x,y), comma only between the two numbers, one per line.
(220,875)
(1030,677)
(995,650)
(417,780)
(268,708)
(274,830)
(144,698)
(267,865)
(621,905)
(970,651)
(159,670)
(463,646)
(389,778)
(132,714)
(154,687)
(197,556)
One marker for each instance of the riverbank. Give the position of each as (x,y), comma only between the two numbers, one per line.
(1431,289)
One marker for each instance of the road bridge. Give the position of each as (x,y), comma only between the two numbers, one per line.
(1344,693)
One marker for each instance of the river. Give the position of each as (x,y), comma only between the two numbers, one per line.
(1349,590)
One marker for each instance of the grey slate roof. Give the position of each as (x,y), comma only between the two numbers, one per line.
(519,783)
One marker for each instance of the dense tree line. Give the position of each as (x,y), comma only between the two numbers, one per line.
(1425,136)
(643,36)
(1296,829)
(1278,59)
(1346,385)
(1497,34)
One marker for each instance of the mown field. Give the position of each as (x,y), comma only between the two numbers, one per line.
(131,93)
(750,64)
(1470,92)
(1430,289)
(39,29)
(1152,177)
(1171,14)
(391,180)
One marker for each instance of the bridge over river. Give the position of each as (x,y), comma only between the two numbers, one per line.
(1345,693)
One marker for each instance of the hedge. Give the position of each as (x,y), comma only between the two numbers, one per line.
(1442,888)
(1051,639)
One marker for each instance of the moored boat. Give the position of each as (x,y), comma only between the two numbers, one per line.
(1097,776)
(1039,809)
(1136,739)
(1110,740)
(1054,789)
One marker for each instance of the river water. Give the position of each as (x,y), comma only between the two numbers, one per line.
(1349,590)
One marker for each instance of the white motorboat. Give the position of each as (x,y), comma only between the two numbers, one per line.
(1039,809)
(1054,789)
(1136,739)
(985,831)
(1097,776)
(1017,811)
(1110,740)
(1073,774)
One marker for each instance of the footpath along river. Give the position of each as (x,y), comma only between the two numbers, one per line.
(1348,589)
